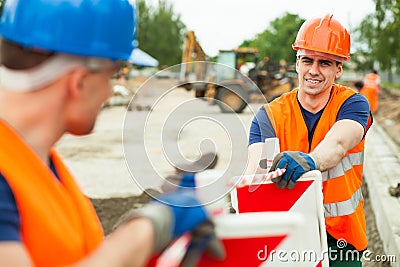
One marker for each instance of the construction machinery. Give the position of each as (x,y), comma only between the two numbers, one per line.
(236,79)
(193,53)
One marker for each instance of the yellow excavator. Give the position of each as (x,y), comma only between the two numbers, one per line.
(193,62)
(226,85)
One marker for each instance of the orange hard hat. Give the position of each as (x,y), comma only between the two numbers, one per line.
(324,35)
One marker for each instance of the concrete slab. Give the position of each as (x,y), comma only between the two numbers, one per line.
(381,170)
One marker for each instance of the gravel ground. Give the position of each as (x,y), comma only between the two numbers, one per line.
(110,210)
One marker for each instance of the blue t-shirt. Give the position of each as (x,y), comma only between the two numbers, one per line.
(10,223)
(9,215)
(355,108)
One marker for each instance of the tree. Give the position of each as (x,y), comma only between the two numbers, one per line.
(160,32)
(275,42)
(379,33)
(1,6)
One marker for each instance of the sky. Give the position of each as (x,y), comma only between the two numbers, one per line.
(224,24)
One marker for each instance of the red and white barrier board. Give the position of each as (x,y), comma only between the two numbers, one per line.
(272,227)
(250,239)
(304,199)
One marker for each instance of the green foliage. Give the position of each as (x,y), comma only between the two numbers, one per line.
(379,36)
(391,86)
(160,32)
(275,42)
(374,42)
(1,6)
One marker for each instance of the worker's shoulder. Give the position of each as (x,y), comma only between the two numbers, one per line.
(342,92)
(347,94)
(344,88)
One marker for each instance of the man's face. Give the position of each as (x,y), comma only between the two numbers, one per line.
(317,73)
(95,89)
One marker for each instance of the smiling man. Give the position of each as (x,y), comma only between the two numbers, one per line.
(321,126)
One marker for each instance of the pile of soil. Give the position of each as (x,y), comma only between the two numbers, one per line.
(110,210)
(388,113)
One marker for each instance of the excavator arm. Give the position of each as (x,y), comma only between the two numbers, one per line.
(192,51)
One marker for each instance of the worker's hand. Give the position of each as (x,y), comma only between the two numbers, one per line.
(185,211)
(203,238)
(178,181)
(296,164)
(185,172)
(174,214)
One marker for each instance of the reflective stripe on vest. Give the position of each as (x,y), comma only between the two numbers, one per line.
(346,164)
(344,207)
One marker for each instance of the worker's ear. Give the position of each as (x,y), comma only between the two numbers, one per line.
(297,64)
(339,70)
(76,81)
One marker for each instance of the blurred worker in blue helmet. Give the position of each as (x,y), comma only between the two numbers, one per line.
(57,58)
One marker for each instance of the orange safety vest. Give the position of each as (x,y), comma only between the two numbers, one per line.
(59,226)
(370,90)
(343,200)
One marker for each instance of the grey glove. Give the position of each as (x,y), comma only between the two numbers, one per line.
(179,211)
(161,219)
(175,214)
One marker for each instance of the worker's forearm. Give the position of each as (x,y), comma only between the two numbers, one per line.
(128,246)
(328,154)
(343,136)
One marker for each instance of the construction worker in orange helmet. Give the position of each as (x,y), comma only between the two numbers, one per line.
(57,58)
(321,126)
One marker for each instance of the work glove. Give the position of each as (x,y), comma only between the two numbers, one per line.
(178,181)
(203,238)
(176,213)
(184,172)
(296,164)
(207,160)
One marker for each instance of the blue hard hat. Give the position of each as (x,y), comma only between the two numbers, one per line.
(98,28)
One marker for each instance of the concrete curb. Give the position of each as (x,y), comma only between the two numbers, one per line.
(381,170)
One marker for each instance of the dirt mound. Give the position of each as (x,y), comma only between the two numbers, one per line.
(110,210)
(388,113)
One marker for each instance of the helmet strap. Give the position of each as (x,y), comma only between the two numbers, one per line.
(34,78)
